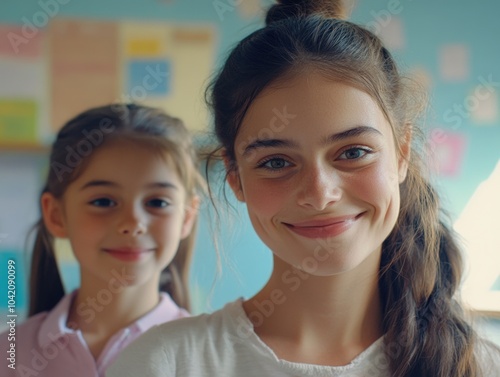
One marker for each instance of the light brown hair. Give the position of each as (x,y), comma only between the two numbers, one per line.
(93,129)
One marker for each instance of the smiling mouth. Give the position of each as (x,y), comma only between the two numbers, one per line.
(324,228)
(129,255)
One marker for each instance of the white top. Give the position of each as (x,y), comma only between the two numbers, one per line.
(223,344)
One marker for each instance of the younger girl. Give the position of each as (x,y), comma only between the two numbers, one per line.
(122,187)
(318,132)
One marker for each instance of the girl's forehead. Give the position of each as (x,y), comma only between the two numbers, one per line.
(129,162)
(307,104)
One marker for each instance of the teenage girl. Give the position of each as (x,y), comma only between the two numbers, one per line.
(123,188)
(319,135)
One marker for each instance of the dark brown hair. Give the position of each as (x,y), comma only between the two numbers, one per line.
(426,333)
(71,152)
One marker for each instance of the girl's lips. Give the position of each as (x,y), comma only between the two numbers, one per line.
(324,228)
(127,254)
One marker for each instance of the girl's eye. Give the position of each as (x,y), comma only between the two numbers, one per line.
(275,163)
(158,203)
(354,153)
(103,202)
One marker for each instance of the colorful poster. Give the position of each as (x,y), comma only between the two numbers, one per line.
(145,67)
(23,89)
(168,67)
(84,66)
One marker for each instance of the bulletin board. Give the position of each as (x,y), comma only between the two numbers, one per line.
(75,64)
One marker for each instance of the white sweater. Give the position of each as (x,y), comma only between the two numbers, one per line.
(223,344)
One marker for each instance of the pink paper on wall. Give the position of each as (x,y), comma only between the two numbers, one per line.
(20,42)
(392,33)
(454,62)
(447,149)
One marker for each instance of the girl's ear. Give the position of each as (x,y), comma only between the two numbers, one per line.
(233,179)
(53,216)
(404,154)
(190,214)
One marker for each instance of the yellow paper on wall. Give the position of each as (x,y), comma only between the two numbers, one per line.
(144,47)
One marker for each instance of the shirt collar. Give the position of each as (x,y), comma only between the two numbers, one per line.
(55,324)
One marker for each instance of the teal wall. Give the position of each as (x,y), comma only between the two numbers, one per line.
(427,26)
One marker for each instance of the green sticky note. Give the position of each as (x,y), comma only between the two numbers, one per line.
(18,120)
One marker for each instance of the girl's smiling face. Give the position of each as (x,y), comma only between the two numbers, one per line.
(127,210)
(318,169)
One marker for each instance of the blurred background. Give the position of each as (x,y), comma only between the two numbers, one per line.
(59,57)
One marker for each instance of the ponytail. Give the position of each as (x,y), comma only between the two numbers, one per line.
(46,288)
(427,332)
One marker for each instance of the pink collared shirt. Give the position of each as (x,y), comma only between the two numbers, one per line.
(46,347)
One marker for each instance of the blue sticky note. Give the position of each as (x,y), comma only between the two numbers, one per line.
(148,77)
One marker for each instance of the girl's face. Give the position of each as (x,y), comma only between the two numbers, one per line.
(125,214)
(319,172)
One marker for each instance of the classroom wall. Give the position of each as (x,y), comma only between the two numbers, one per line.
(447,46)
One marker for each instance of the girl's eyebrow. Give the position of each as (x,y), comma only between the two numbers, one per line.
(102,183)
(99,183)
(356,131)
(269,143)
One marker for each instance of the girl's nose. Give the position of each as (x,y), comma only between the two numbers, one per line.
(319,188)
(132,224)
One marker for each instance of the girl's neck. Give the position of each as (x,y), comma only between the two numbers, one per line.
(318,320)
(100,311)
